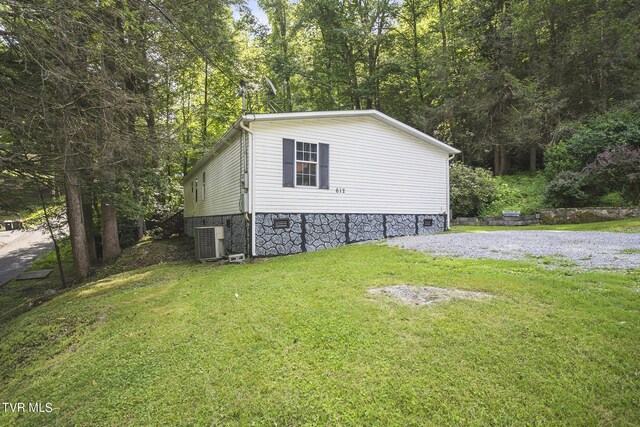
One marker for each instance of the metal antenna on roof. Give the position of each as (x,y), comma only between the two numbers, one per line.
(271,89)
(271,93)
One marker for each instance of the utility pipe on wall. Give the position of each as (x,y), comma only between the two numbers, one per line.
(448,224)
(250,185)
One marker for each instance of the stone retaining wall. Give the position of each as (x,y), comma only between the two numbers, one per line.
(499,220)
(584,215)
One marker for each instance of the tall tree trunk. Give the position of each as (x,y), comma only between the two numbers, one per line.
(205,107)
(500,161)
(53,238)
(108,212)
(353,76)
(110,241)
(443,31)
(553,44)
(142,228)
(416,50)
(504,161)
(77,232)
(532,158)
(87,211)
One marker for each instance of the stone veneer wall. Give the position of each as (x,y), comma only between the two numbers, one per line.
(311,232)
(270,241)
(236,230)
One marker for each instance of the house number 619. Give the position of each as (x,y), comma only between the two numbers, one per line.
(340,190)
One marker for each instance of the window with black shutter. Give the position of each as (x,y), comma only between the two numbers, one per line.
(305,164)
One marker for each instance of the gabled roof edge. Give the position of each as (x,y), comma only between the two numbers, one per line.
(235,129)
(356,113)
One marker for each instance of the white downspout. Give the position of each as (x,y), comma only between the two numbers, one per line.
(251,187)
(449,191)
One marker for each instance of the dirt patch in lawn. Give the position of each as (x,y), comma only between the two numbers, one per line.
(423,295)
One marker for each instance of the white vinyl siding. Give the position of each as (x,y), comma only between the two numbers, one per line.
(222,185)
(380,168)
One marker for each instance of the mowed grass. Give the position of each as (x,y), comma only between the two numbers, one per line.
(297,340)
(629,225)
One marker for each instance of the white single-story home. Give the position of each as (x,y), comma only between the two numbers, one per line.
(285,183)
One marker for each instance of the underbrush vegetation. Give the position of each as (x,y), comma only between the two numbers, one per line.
(297,340)
(523,192)
(527,193)
(18,296)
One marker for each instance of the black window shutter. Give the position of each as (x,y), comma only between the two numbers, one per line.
(288,159)
(324,166)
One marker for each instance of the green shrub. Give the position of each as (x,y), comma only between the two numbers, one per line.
(617,127)
(612,199)
(617,169)
(558,159)
(524,192)
(567,190)
(471,189)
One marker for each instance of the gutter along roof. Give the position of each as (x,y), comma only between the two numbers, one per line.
(235,129)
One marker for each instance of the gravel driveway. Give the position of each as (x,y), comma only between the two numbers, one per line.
(587,249)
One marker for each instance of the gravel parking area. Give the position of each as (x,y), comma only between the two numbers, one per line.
(587,249)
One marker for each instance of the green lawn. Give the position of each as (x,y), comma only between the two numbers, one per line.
(298,341)
(630,225)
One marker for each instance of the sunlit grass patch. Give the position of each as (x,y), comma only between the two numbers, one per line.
(106,284)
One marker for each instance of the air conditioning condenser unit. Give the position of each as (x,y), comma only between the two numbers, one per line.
(209,243)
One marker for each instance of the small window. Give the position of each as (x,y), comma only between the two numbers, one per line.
(196,190)
(306,164)
(428,222)
(204,193)
(191,187)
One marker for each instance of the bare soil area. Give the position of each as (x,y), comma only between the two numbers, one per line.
(424,295)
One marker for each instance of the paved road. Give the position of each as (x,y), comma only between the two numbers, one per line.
(586,249)
(18,249)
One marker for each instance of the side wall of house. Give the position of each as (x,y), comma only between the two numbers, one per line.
(382,183)
(373,168)
(221,193)
(219,199)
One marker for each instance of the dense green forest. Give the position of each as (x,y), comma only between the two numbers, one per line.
(108,103)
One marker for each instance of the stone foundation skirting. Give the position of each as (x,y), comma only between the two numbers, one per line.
(236,230)
(282,234)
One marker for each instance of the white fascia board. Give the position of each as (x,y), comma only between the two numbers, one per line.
(355,113)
